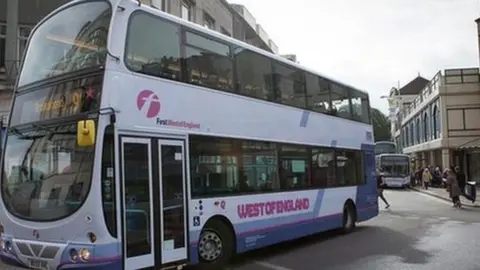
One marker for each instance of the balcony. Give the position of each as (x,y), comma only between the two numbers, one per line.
(8,75)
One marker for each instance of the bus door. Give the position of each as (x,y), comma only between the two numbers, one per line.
(172,176)
(154,202)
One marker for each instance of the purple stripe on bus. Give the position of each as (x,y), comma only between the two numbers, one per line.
(293,221)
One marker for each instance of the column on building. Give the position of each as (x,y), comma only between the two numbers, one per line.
(424,159)
(432,160)
(446,158)
(11,46)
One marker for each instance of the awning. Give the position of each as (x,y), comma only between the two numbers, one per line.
(473,144)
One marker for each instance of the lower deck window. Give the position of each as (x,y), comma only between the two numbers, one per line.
(223,166)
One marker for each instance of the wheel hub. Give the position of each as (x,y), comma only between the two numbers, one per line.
(210,246)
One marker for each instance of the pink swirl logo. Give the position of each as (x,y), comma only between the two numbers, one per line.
(148,102)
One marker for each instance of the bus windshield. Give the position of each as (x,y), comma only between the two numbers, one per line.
(384,148)
(71,40)
(46,176)
(395,166)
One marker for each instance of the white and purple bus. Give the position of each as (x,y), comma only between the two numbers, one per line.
(396,169)
(137,139)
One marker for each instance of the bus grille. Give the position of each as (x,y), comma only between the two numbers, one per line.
(37,250)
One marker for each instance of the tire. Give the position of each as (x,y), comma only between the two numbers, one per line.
(348,219)
(216,245)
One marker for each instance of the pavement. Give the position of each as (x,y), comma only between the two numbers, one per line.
(442,193)
(418,232)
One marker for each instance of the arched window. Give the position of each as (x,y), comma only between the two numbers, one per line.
(436,122)
(405,136)
(425,127)
(412,138)
(417,130)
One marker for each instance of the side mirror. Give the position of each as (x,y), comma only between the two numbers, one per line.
(86,133)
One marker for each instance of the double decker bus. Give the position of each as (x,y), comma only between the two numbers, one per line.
(395,168)
(385,147)
(137,139)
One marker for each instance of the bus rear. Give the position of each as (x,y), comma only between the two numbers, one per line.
(49,218)
(396,169)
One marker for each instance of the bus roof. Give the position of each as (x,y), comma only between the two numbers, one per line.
(389,142)
(245,45)
(393,155)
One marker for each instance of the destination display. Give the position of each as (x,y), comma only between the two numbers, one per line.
(59,100)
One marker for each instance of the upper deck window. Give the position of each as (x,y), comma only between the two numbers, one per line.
(188,54)
(340,100)
(73,39)
(153,50)
(208,62)
(360,107)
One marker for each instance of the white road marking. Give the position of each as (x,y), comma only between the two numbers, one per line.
(272,266)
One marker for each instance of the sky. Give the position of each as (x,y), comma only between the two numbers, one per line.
(373,45)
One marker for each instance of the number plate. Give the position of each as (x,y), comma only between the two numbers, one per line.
(38,264)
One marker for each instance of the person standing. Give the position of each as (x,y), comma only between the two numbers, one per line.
(453,187)
(462,183)
(426,177)
(381,186)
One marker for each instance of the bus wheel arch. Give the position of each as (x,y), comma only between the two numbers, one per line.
(217,242)
(349,216)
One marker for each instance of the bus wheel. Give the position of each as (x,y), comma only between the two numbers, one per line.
(216,244)
(348,218)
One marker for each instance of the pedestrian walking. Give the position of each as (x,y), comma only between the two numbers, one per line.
(426,177)
(381,186)
(453,187)
(462,183)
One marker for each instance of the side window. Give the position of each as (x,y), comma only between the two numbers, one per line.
(289,85)
(349,167)
(153,50)
(254,74)
(259,167)
(214,166)
(317,93)
(340,101)
(323,167)
(360,106)
(227,166)
(294,172)
(108,181)
(208,62)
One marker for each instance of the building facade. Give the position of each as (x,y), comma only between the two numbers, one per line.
(440,126)
(18,17)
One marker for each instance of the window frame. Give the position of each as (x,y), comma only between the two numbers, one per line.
(208,21)
(183,54)
(190,8)
(238,88)
(236,144)
(180,42)
(367,100)
(277,92)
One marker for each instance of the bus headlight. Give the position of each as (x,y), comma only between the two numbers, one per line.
(84,254)
(73,255)
(7,246)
